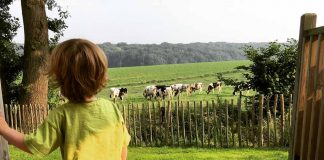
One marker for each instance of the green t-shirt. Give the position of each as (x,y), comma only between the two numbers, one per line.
(83,131)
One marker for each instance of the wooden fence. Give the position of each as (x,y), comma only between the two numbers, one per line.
(308,118)
(251,122)
(25,118)
(248,123)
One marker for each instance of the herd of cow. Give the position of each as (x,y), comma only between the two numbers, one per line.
(167,91)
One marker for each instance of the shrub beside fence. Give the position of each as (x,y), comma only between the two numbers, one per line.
(251,122)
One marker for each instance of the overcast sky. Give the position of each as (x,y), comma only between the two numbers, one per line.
(184,21)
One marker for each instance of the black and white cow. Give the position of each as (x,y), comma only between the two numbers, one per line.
(242,87)
(212,86)
(118,92)
(164,91)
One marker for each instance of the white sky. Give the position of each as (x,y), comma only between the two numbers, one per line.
(184,21)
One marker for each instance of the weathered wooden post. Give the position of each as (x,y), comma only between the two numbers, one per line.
(260,123)
(4,152)
(239,107)
(308,21)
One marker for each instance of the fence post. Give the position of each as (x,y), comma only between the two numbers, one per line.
(247,128)
(19,115)
(208,125)
(220,124)
(154,124)
(202,125)
(151,127)
(233,122)
(196,123)
(282,120)
(215,124)
(171,124)
(134,122)
(4,151)
(140,123)
(183,124)
(226,123)
(178,123)
(168,112)
(275,119)
(261,120)
(307,21)
(239,107)
(268,120)
(289,110)
(253,121)
(190,125)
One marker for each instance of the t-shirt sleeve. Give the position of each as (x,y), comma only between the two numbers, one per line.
(47,137)
(126,136)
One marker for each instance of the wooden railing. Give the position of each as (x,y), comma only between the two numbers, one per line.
(308,117)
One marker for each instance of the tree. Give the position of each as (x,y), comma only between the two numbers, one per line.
(36,52)
(272,70)
(10,64)
(36,48)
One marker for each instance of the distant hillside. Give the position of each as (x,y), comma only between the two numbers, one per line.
(122,54)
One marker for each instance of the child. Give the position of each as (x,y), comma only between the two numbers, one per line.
(86,127)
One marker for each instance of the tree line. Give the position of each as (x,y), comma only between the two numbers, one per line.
(123,54)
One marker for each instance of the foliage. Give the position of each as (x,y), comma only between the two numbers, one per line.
(273,69)
(56,25)
(123,55)
(10,60)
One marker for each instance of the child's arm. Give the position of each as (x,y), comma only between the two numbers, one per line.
(124,153)
(12,136)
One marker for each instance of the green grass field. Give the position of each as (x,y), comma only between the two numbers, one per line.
(166,153)
(136,78)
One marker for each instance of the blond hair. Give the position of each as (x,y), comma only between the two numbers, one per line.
(79,68)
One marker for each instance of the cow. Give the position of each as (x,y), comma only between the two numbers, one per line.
(242,87)
(150,92)
(118,93)
(212,86)
(179,88)
(197,86)
(176,88)
(164,91)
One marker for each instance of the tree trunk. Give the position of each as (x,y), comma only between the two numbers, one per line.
(35,83)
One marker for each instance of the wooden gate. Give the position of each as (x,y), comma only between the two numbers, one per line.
(308,122)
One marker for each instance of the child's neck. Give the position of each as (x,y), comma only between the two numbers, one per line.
(90,99)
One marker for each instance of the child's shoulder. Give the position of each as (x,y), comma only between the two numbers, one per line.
(105,101)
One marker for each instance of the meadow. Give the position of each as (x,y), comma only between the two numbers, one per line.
(136,78)
(166,153)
